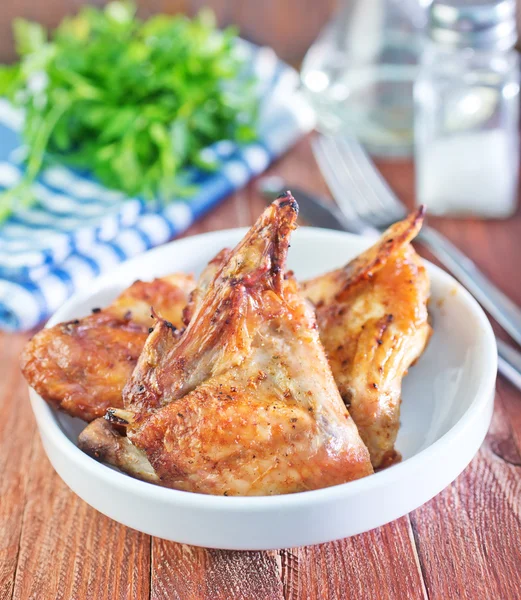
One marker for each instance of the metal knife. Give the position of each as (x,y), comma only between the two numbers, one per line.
(313,209)
(321,213)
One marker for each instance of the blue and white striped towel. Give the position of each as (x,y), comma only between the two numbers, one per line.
(79,229)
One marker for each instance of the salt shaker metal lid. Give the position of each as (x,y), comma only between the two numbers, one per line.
(483,24)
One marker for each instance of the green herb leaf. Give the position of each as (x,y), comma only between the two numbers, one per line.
(29,37)
(134,102)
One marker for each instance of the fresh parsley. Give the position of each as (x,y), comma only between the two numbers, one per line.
(133,102)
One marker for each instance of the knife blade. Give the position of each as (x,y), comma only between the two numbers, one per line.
(312,209)
(509,363)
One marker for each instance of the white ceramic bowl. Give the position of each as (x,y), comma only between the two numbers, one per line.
(446,411)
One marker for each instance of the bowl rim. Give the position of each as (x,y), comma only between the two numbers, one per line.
(47,420)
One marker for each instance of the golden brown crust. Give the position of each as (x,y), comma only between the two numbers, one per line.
(393,240)
(81,366)
(205,279)
(245,403)
(216,327)
(373,322)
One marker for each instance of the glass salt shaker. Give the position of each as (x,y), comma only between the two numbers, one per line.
(467,110)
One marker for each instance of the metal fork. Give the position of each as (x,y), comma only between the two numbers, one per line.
(365,199)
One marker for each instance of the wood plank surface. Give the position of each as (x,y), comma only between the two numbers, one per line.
(465,543)
(379,564)
(469,536)
(17,435)
(182,572)
(69,550)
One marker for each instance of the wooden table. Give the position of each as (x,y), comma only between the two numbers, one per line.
(465,543)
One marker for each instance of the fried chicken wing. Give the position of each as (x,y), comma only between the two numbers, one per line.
(372,316)
(245,402)
(82,366)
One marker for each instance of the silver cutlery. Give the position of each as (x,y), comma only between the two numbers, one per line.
(311,208)
(509,363)
(320,213)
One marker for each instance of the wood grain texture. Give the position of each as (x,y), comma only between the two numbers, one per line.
(466,543)
(511,399)
(181,572)
(376,565)
(69,550)
(469,536)
(17,432)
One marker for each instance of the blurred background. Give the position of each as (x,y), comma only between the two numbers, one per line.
(114,118)
(288,26)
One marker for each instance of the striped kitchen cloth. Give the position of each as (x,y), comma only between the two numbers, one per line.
(79,229)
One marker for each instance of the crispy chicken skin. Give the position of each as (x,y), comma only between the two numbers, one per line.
(372,316)
(82,366)
(107,441)
(245,402)
(205,279)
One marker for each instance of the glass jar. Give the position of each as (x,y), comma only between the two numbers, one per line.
(467,110)
(359,73)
